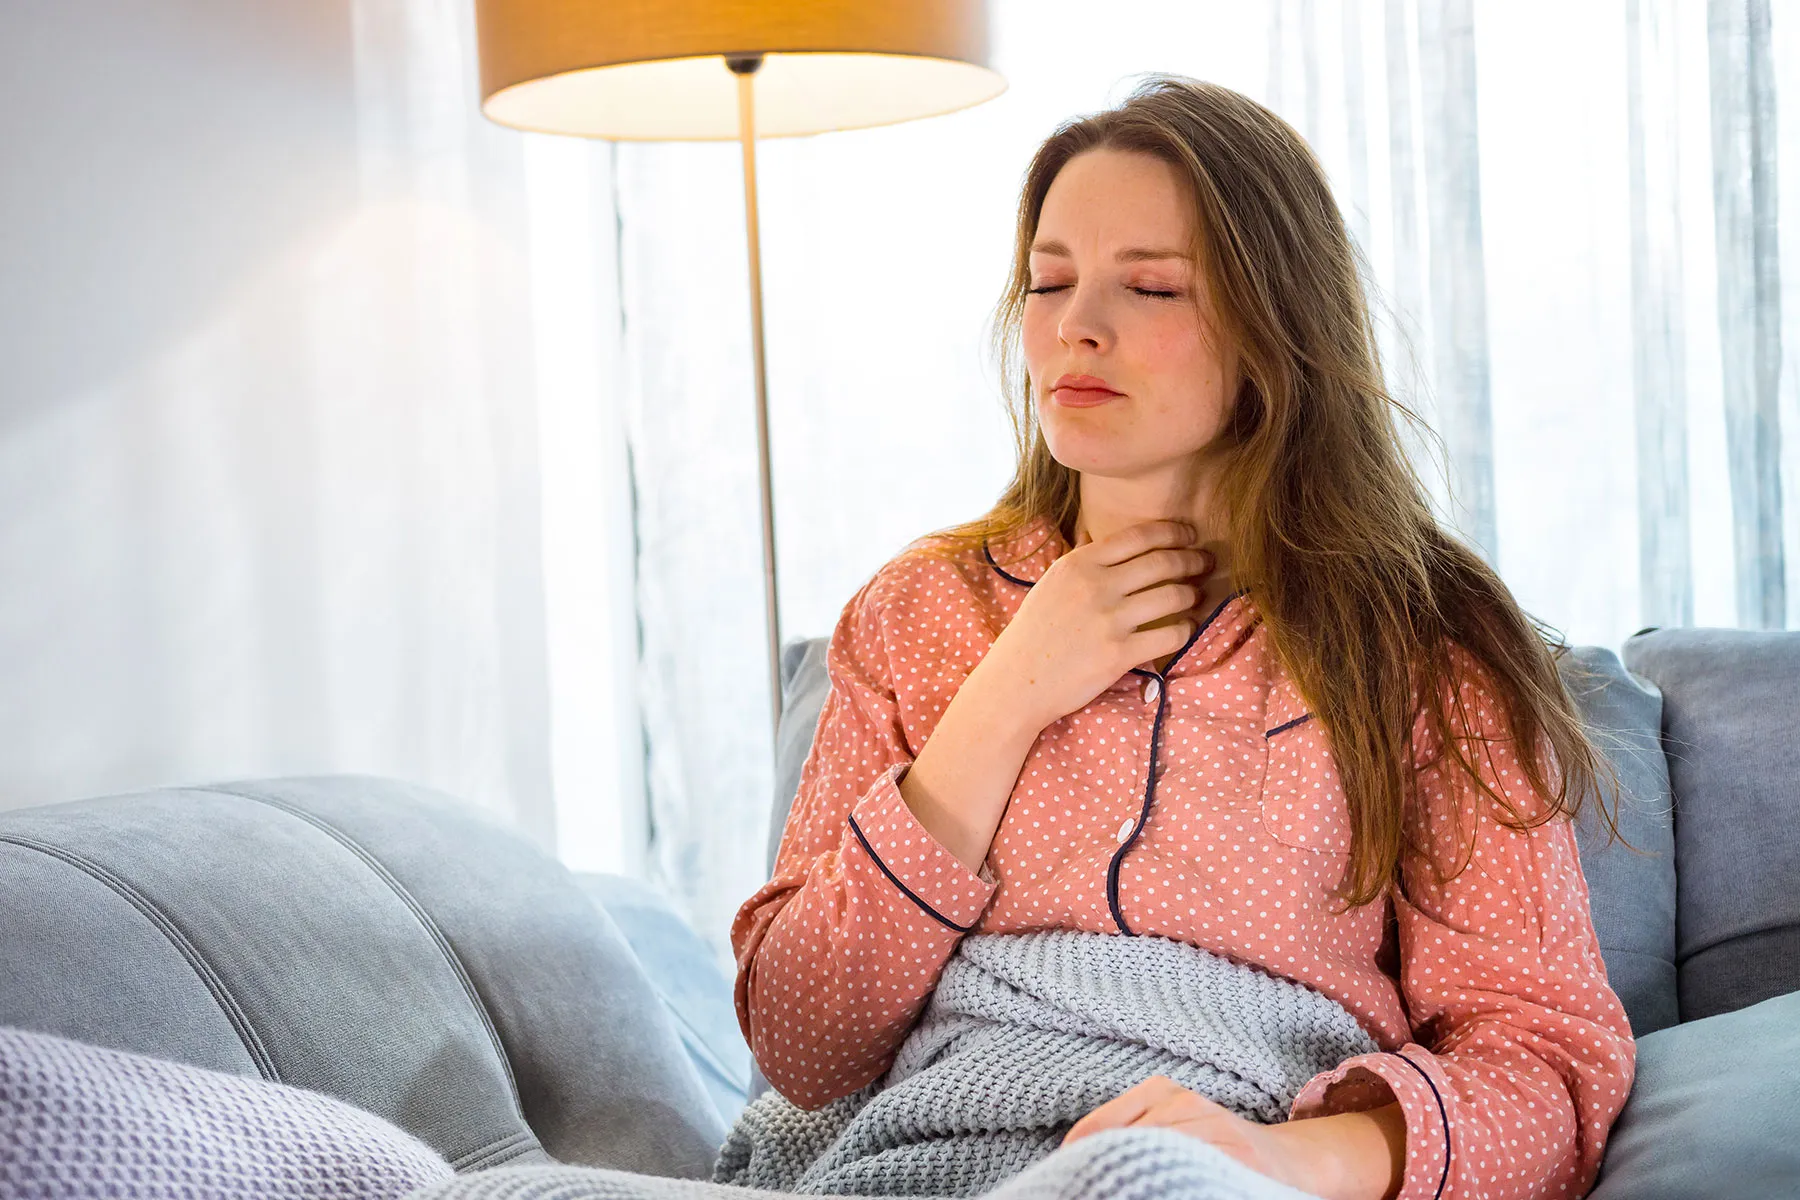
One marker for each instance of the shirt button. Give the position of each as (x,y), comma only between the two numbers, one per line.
(1152,689)
(1125,832)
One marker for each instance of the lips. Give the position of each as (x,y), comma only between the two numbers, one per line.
(1082,397)
(1082,391)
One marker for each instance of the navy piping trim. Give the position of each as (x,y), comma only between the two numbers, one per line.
(895,880)
(1150,774)
(1118,858)
(380,871)
(1209,620)
(989,554)
(1443,1115)
(1287,725)
(165,925)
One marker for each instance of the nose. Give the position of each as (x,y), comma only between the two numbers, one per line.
(1084,322)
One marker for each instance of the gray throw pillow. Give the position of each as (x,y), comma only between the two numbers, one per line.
(78,1121)
(1712,1110)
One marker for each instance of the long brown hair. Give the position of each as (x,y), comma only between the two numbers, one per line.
(1365,598)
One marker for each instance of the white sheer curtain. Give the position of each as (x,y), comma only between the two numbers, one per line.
(269,465)
(1571,215)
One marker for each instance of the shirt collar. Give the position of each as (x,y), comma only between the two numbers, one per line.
(1022,557)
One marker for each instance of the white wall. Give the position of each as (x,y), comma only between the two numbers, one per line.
(269,495)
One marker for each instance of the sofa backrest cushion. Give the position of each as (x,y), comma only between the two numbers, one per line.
(362,937)
(1632,894)
(1731,732)
(804,685)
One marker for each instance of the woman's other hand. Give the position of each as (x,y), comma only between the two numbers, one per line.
(1346,1156)
(1099,610)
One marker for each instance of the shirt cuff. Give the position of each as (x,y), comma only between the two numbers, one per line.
(1373,1080)
(914,861)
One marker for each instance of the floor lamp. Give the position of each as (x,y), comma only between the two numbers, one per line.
(711,70)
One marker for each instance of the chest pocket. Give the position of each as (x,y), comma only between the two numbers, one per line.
(1224,761)
(1303,799)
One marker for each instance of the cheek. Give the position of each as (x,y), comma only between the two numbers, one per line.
(1173,345)
(1037,336)
(1191,374)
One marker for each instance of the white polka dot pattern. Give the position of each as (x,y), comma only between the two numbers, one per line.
(1507,1050)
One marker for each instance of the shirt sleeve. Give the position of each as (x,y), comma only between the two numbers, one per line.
(1522,1055)
(839,951)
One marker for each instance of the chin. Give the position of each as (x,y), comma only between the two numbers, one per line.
(1093,456)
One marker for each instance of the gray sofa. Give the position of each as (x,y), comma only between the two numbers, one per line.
(379,942)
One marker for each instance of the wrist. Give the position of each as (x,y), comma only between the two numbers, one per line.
(1347,1156)
(993,699)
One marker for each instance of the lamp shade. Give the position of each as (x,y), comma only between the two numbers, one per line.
(646,70)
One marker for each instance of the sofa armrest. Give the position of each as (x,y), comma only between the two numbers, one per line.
(687,977)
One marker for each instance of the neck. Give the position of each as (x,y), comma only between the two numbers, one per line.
(1109,504)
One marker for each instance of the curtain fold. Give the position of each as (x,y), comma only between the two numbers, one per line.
(1745,206)
(1659,335)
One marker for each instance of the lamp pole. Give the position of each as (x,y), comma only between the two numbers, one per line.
(745,68)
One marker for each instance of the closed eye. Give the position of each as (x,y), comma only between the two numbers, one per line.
(1063,287)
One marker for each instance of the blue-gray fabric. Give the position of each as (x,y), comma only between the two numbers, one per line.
(79,1121)
(687,978)
(804,686)
(358,936)
(1731,733)
(1632,894)
(1712,1110)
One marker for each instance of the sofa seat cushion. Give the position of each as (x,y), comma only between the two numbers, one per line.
(1711,1111)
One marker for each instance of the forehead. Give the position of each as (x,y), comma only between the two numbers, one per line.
(1105,199)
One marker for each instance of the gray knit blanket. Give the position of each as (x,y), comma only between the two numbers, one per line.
(1024,1034)
(79,1121)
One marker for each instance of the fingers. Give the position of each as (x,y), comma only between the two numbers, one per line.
(1147,645)
(1124,1109)
(1141,572)
(1164,600)
(1134,540)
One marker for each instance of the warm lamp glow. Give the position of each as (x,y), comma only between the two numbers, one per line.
(643,70)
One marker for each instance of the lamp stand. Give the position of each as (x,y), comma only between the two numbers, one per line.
(745,68)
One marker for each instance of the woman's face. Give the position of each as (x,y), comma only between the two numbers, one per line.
(1127,377)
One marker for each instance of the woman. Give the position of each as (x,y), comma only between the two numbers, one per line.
(1209,670)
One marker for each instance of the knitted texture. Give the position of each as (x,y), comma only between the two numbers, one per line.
(79,1121)
(1024,1034)
(1118,1164)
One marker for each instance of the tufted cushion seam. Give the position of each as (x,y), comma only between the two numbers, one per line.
(165,924)
(495,1153)
(418,911)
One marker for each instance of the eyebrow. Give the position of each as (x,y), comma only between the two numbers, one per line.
(1134,254)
